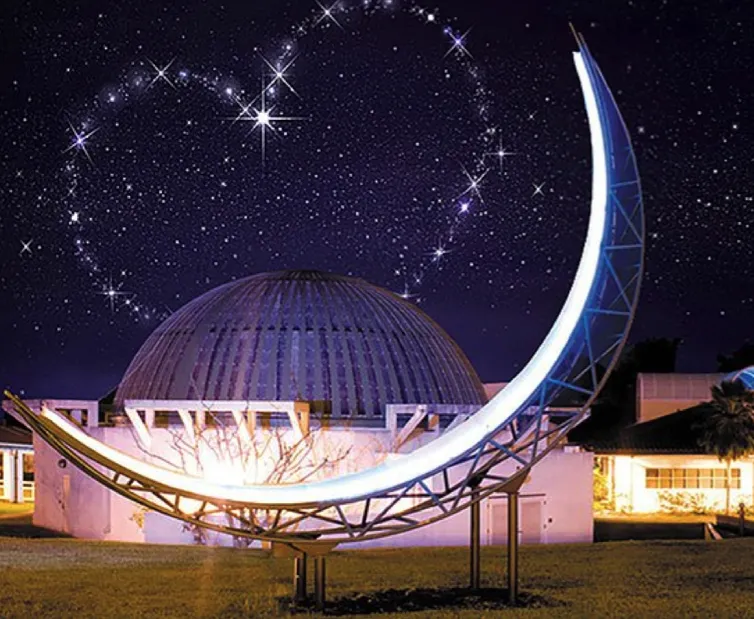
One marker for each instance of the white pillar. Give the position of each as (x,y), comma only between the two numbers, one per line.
(13,476)
(19,480)
(7,474)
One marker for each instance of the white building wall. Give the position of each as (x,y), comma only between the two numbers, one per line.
(632,495)
(560,485)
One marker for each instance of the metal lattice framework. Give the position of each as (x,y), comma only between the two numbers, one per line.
(462,468)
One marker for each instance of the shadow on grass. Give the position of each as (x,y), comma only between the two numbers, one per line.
(22,526)
(414,600)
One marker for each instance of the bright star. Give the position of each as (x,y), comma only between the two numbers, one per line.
(406,294)
(262,118)
(475,184)
(438,253)
(327,13)
(79,141)
(112,293)
(74,218)
(161,73)
(279,75)
(465,207)
(538,189)
(501,154)
(459,44)
(25,247)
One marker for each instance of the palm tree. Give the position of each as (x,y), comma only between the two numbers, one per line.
(727,431)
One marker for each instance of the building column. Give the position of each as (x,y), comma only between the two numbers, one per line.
(19,480)
(13,476)
(7,475)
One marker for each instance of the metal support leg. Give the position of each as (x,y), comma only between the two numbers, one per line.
(474,546)
(319,582)
(299,579)
(512,547)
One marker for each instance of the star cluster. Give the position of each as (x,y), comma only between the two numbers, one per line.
(440,151)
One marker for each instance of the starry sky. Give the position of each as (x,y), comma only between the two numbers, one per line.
(151,152)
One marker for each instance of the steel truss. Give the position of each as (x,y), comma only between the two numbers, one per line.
(523,440)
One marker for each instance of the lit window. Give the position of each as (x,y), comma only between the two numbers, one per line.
(683,479)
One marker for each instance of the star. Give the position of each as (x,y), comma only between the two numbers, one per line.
(74,218)
(465,207)
(161,73)
(438,253)
(406,294)
(112,293)
(25,247)
(279,75)
(459,43)
(262,119)
(501,154)
(327,13)
(475,184)
(79,142)
(538,189)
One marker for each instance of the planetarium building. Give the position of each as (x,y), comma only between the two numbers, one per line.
(324,373)
(347,347)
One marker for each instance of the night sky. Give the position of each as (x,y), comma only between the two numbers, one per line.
(438,150)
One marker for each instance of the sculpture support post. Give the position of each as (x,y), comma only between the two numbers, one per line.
(512,547)
(474,545)
(319,582)
(299,578)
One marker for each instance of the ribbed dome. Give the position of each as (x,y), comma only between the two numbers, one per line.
(339,342)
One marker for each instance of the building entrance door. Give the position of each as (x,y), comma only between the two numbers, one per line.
(530,519)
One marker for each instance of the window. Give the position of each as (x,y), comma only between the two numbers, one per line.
(682,479)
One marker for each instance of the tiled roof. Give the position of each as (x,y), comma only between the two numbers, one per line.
(15,435)
(672,434)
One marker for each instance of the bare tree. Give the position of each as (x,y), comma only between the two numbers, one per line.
(272,454)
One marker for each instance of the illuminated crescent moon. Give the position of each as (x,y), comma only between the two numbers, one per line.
(611,228)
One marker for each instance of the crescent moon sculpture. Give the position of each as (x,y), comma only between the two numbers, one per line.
(458,468)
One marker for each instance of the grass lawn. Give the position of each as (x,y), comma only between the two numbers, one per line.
(617,527)
(15,510)
(71,578)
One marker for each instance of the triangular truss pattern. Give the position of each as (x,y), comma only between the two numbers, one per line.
(523,440)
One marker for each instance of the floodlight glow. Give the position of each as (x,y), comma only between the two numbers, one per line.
(426,460)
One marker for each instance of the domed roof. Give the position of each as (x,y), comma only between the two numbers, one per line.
(745,377)
(339,342)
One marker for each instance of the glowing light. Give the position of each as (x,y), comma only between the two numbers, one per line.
(538,189)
